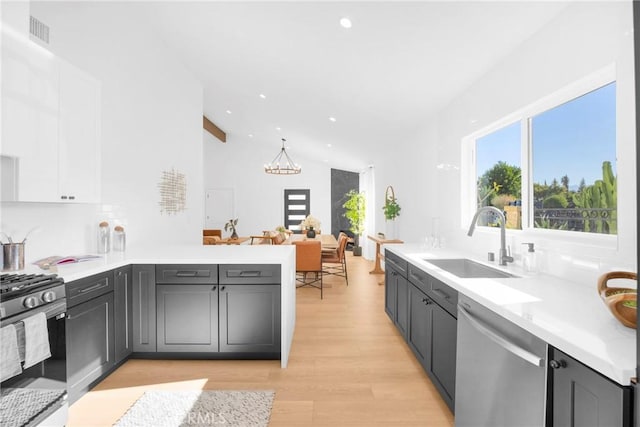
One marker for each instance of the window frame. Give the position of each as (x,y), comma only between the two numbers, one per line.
(525,115)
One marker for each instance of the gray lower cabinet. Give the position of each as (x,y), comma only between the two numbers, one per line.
(123,307)
(90,343)
(144,308)
(187,318)
(583,397)
(250,318)
(397,291)
(432,337)
(186,308)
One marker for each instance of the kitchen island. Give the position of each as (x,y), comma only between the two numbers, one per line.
(201,255)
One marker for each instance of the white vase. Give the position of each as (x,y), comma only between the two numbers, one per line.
(391,229)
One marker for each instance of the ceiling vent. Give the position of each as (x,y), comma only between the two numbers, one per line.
(39,30)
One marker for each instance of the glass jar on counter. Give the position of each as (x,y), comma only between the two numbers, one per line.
(119,238)
(104,237)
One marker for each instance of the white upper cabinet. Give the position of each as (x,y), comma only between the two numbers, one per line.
(79,136)
(29,121)
(50,127)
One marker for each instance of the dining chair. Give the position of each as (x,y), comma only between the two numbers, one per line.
(335,262)
(309,260)
(211,236)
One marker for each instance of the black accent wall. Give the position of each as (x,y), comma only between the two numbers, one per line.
(341,183)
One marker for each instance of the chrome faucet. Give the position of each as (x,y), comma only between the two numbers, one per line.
(504,258)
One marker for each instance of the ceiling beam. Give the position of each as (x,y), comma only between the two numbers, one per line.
(214,130)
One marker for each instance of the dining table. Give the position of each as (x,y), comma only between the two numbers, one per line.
(328,242)
(230,241)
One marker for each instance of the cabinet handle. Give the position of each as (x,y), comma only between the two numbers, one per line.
(72,197)
(186,274)
(427,301)
(441,293)
(214,288)
(250,273)
(499,339)
(394,273)
(557,364)
(63,197)
(223,288)
(93,288)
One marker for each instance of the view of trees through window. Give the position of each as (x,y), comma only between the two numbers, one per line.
(573,152)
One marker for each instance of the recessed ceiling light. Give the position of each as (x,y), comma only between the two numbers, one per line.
(345,22)
(263,96)
(332,119)
(278,128)
(329,145)
(228,111)
(250,135)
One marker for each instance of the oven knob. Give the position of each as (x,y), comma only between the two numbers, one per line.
(30,302)
(48,296)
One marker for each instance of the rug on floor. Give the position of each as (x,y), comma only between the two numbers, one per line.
(199,408)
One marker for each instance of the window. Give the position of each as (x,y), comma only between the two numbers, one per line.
(574,152)
(499,180)
(552,165)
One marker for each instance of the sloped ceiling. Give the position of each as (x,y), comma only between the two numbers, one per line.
(380,79)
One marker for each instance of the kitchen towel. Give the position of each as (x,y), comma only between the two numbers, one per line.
(36,339)
(10,360)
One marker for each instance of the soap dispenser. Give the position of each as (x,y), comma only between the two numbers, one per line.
(529,259)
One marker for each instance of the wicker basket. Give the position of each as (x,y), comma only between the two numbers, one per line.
(621,301)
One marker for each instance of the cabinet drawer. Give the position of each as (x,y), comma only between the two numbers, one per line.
(90,287)
(184,273)
(393,260)
(443,294)
(250,274)
(419,278)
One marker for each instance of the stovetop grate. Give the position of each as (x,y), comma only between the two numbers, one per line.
(12,285)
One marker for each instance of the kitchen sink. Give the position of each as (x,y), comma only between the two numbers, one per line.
(468,269)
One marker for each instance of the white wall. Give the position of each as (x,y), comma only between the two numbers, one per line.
(151,122)
(411,168)
(259,197)
(583,39)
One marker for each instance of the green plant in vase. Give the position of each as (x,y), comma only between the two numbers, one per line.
(391,207)
(231,226)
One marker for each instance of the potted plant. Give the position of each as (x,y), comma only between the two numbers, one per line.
(391,210)
(391,207)
(283,231)
(231,226)
(355,211)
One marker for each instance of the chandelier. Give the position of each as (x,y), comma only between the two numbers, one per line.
(282,164)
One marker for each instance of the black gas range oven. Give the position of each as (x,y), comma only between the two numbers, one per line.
(33,391)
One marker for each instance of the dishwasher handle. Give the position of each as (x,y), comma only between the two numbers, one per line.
(500,340)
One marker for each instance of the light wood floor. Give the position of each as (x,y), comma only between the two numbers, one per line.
(348,367)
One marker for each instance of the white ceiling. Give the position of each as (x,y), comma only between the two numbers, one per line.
(381,79)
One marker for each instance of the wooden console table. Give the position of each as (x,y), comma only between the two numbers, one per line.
(377,269)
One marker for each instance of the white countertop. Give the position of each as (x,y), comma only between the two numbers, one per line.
(171,254)
(569,316)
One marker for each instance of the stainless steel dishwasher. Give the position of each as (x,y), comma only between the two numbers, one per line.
(500,371)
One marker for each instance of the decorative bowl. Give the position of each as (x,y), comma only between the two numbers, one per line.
(622,302)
